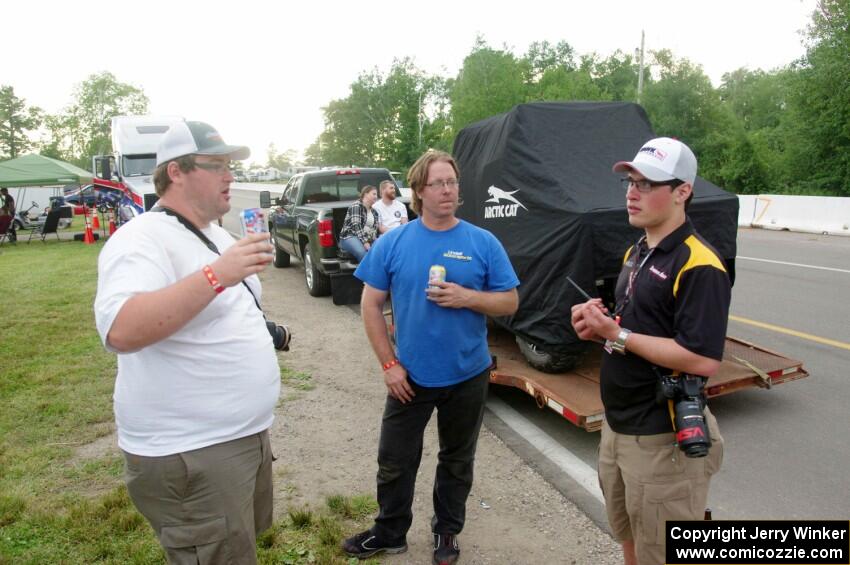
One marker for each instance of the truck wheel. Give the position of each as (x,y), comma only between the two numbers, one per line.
(281,258)
(318,284)
(547,362)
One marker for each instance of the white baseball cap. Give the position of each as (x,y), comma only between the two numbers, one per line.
(196,138)
(662,158)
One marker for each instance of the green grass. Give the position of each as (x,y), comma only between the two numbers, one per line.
(56,384)
(295,379)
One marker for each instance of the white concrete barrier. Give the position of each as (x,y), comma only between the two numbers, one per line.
(746,209)
(812,214)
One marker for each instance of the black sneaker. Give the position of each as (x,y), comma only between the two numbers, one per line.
(366,544)
(446,549)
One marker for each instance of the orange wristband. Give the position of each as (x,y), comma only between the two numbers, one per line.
(212,279)
(390,364)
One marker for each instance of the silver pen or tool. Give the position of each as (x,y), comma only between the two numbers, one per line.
(578,288)
(588,297)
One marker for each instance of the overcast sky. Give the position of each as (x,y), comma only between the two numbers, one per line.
(261,71)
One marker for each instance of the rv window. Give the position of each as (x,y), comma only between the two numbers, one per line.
(139,165)
(151,129)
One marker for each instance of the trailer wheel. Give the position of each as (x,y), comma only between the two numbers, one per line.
(547,362)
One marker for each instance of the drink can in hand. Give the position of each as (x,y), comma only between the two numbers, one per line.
(436,274)
(253,221)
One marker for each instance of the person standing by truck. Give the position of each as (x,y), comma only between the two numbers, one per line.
(198,378)
(443,360)
(360,227)
(392,212)
(672,306)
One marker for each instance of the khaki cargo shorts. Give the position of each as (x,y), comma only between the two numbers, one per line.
(647,480)
(206,505)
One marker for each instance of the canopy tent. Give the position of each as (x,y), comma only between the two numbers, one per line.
(37,170)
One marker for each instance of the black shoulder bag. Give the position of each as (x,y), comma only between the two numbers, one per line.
(281,335)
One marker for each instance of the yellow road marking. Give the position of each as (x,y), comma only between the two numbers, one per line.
(795,333)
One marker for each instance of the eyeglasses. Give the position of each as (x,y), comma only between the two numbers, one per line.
(219,168)
(646,185)
(451,183)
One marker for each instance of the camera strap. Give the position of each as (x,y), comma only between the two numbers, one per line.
(202,236)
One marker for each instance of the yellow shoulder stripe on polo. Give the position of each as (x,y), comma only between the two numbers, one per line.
(701,256)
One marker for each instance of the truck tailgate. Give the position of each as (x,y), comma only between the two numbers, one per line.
(575,394)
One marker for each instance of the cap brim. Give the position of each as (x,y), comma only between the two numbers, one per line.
(648,171)
(235,152)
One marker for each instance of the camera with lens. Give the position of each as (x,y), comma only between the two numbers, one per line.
(281,335)
(686,394)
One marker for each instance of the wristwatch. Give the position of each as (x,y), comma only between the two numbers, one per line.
(619,344)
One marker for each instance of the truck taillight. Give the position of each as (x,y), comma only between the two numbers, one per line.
(326,233)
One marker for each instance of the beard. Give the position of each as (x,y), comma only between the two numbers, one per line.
(390,195)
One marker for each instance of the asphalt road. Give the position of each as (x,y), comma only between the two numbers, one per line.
(787,448)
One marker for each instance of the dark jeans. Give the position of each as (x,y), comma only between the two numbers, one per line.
(460,409)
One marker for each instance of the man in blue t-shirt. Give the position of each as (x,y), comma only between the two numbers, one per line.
(443,359)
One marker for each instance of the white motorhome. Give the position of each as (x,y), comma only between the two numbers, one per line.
(130,167)
(269,174)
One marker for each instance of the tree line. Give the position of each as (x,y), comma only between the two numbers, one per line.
(785,130)
(76,133)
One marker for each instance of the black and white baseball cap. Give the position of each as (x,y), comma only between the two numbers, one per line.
(196,138)
(661,159)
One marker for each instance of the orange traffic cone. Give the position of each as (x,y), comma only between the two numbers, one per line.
(95,222)
(88,238)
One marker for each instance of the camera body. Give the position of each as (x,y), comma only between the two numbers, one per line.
(688,400)
(281,335)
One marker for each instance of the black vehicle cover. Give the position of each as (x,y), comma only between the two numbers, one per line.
(539,178)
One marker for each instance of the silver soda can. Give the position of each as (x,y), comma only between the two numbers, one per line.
(436,274)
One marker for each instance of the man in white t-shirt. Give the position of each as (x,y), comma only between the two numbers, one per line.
(392,212)
(198,377)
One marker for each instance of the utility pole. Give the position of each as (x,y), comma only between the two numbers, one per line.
(419,119)
(640,69)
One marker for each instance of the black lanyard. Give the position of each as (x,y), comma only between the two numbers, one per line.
(633,274)
(203,237)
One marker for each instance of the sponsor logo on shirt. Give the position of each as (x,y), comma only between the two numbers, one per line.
(457,255)
(658,274)
(498,209)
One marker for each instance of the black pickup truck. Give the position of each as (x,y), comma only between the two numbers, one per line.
(306,220)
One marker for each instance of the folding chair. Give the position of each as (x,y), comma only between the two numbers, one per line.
(6,228)
(50,225)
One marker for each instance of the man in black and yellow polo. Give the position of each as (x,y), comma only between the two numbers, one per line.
(672,306)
